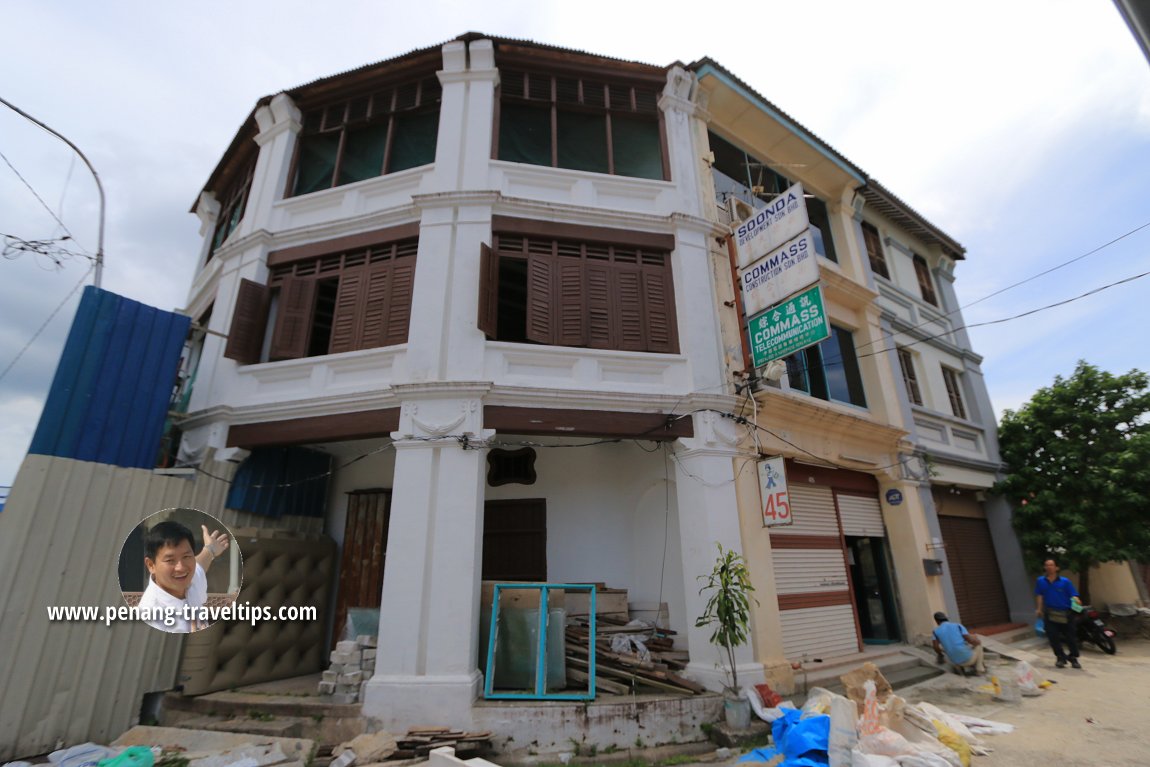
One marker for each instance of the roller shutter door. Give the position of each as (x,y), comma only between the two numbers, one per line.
(974,571)
(861,515)
(815,607)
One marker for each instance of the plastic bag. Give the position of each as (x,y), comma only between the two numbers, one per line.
(83,755)
(767,713)
(1027,679)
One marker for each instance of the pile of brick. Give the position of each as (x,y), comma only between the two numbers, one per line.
(352,664)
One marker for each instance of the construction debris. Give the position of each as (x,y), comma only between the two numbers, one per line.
(420,741)
(620,673)
(352,665)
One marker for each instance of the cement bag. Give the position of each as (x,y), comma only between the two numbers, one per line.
(860,759)
(926,743)
(937,714)
(925,760)
(983,726)
(1027,679)
(844,731)
(885,742)
(953,741)
(818,701)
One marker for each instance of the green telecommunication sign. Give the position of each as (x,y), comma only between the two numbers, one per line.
(784,329)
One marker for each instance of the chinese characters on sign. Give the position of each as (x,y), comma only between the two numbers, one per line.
(785,329)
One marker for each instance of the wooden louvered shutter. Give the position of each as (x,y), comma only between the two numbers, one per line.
(598,305)
(398,318)
(571,309)
(541,298)
(294,319)
(347,320)
(629,318)
(249,320)
(659,307)
(372,306)
(488,321)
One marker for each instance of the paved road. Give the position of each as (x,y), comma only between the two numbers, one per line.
(1096,717)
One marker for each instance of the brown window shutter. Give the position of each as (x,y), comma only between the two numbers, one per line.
(629,315)
(541,298)
(488,320)
(659,307)
(398,319)
(350,317)
(294,319)
(599,305)
(572,319)
(249,320)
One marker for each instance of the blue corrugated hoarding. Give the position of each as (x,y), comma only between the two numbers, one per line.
(114,382)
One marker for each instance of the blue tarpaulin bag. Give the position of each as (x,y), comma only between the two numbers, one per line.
(802,741)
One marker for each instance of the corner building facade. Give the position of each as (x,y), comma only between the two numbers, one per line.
(482,292)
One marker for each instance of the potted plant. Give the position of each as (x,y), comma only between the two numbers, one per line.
(729,611)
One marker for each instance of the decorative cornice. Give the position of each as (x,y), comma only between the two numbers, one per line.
(452,199)
(469,76)
(581,214)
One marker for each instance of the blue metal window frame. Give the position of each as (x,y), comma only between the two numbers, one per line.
(541,654)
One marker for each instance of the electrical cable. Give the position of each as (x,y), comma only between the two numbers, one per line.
(36,194)
(40,330)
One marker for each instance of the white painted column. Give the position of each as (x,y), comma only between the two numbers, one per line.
(426,667)
(279,122)
(708,514)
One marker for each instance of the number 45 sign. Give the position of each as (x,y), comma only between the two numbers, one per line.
(776,501)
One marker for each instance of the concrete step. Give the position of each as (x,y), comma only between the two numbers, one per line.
(287,727)
(328,724)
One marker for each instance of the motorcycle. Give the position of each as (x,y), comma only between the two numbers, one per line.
(1091,629)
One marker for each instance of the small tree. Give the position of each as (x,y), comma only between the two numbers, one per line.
(728,606)
(1078,470)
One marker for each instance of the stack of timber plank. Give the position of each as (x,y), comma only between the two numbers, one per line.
(623,673)
(420,741)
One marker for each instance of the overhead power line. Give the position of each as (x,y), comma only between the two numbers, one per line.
(98,269)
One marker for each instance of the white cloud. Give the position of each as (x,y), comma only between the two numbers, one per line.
(984,116)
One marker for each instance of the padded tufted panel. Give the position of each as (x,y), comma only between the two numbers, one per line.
(280,569)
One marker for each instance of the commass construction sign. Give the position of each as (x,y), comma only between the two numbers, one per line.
(794,324)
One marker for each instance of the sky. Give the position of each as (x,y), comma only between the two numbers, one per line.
(1019,127)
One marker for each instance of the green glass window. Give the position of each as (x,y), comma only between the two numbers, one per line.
(347,141)
(363,153)
(414,141)
(636,147)
(525,134)
(589,125)
(316,165)
(583,141)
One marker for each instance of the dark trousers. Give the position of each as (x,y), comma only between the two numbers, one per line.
(1062,633)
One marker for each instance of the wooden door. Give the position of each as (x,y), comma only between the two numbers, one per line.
(364,550)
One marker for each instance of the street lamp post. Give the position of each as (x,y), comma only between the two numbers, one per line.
(99,268)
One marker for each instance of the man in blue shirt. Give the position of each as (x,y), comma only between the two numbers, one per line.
(962,649)
(1053,594)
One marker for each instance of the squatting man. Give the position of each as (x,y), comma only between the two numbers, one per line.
(961,648)
(178,576)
